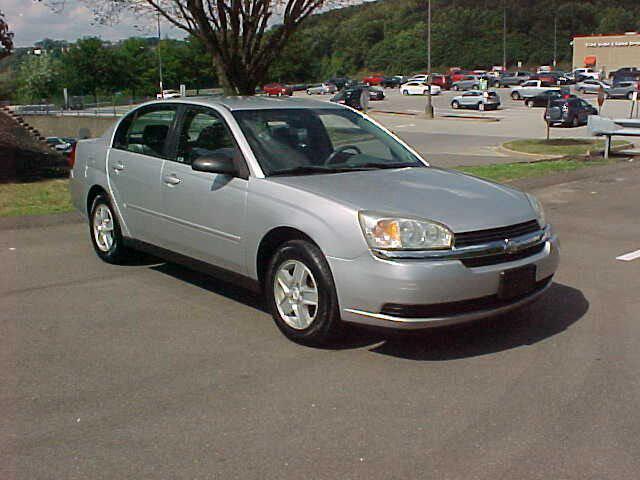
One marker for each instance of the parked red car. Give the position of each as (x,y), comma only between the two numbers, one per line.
(277,89)
(443,81)
(458,75)
(373,80)
(546,78)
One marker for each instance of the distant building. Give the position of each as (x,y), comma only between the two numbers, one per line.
(607,52)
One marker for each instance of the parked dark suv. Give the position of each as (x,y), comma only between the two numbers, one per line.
(570,111)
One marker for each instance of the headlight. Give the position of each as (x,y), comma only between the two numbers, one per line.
(537,207)
(391,232)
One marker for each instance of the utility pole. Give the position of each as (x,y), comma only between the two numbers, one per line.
(160,60)
(504,35)
(428,109)
(555,38)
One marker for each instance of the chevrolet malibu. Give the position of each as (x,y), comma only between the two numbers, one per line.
(329,214)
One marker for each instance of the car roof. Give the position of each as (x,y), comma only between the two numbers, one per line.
(252,103)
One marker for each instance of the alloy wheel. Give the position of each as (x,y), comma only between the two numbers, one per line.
(103,227)
(296,294)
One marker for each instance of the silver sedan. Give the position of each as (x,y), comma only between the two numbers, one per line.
(327,213)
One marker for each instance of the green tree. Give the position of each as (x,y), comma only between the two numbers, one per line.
(134,59)
(90,68)
(37,78)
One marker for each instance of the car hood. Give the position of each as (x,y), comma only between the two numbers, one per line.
(462,202)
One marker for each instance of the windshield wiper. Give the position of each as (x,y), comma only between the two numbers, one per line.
(372,165)
(309,169)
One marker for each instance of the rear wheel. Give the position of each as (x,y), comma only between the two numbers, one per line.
(301,294)
(106,235)
(529,103)
(575,122)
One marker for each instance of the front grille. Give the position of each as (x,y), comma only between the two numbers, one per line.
(436,310)
(484,236)
(502,257)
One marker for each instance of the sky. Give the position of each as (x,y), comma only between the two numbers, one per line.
(32,21)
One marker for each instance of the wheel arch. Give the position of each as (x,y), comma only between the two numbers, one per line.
(269,245)
(93,192)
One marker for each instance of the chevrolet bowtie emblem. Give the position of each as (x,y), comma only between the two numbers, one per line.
(509,246)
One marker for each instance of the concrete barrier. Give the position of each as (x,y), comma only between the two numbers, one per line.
(68,125)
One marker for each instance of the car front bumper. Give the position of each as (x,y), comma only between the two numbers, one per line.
(448,291)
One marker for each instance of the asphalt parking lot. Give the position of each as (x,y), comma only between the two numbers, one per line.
(152,371)
(450,142)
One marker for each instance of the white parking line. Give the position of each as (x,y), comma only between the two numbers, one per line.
(627,257)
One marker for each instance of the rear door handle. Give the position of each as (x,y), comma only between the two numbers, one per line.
(171,179)
(118,167)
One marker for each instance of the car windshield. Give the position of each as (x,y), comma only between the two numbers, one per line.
(322,140)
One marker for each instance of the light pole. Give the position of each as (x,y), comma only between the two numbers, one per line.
(504,35)
(555,38)
(160,60)
(428,109)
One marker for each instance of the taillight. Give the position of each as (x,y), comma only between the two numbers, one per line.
(71,159)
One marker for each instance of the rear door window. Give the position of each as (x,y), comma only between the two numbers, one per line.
(146,131)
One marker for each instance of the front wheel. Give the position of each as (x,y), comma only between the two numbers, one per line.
(575,122)
(455,105)
(455,87)
(515,96)
(106,235)
(630,96)
(301,294)
(481,107)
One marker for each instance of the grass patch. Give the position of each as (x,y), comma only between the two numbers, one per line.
(559,146)
(514,171)
(35,198)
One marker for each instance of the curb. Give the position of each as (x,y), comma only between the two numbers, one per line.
(541,157)
(38,221)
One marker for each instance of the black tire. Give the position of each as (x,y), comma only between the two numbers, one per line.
(630,96)
(481,107)
(575,122)
(455,105)
(529,103)
(117,253)
(327,324)
(515,96)
(455,87)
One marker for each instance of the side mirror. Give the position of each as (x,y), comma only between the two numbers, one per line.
(215,163)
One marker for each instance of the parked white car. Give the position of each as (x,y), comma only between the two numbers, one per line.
(481,100)
(586,72)
(421,77)
(591,86)
(419,88)
(324,89)
(530,88)
(167,94)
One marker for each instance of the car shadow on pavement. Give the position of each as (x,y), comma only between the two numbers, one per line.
(557,309)
(213,285)
(354,337)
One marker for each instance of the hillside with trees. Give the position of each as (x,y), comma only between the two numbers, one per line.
(381,36)
(390,35)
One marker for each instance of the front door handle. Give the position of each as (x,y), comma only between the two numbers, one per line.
(118,167)
(171,180)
